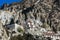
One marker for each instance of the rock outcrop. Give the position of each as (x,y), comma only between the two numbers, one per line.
(34,17)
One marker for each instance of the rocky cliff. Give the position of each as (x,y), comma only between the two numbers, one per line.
(35,17)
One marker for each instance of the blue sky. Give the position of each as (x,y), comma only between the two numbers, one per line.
(8,1)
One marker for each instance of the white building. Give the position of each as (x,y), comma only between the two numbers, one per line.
(52,35)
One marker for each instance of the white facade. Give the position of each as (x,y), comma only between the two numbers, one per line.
(54,37)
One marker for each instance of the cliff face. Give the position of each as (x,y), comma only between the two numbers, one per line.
(32,15)
(45,10)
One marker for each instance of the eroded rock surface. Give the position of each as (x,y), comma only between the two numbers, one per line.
(34,17)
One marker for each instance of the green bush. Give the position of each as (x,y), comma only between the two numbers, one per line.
(20,30)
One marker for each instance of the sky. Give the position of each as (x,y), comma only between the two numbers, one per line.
(8,1)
